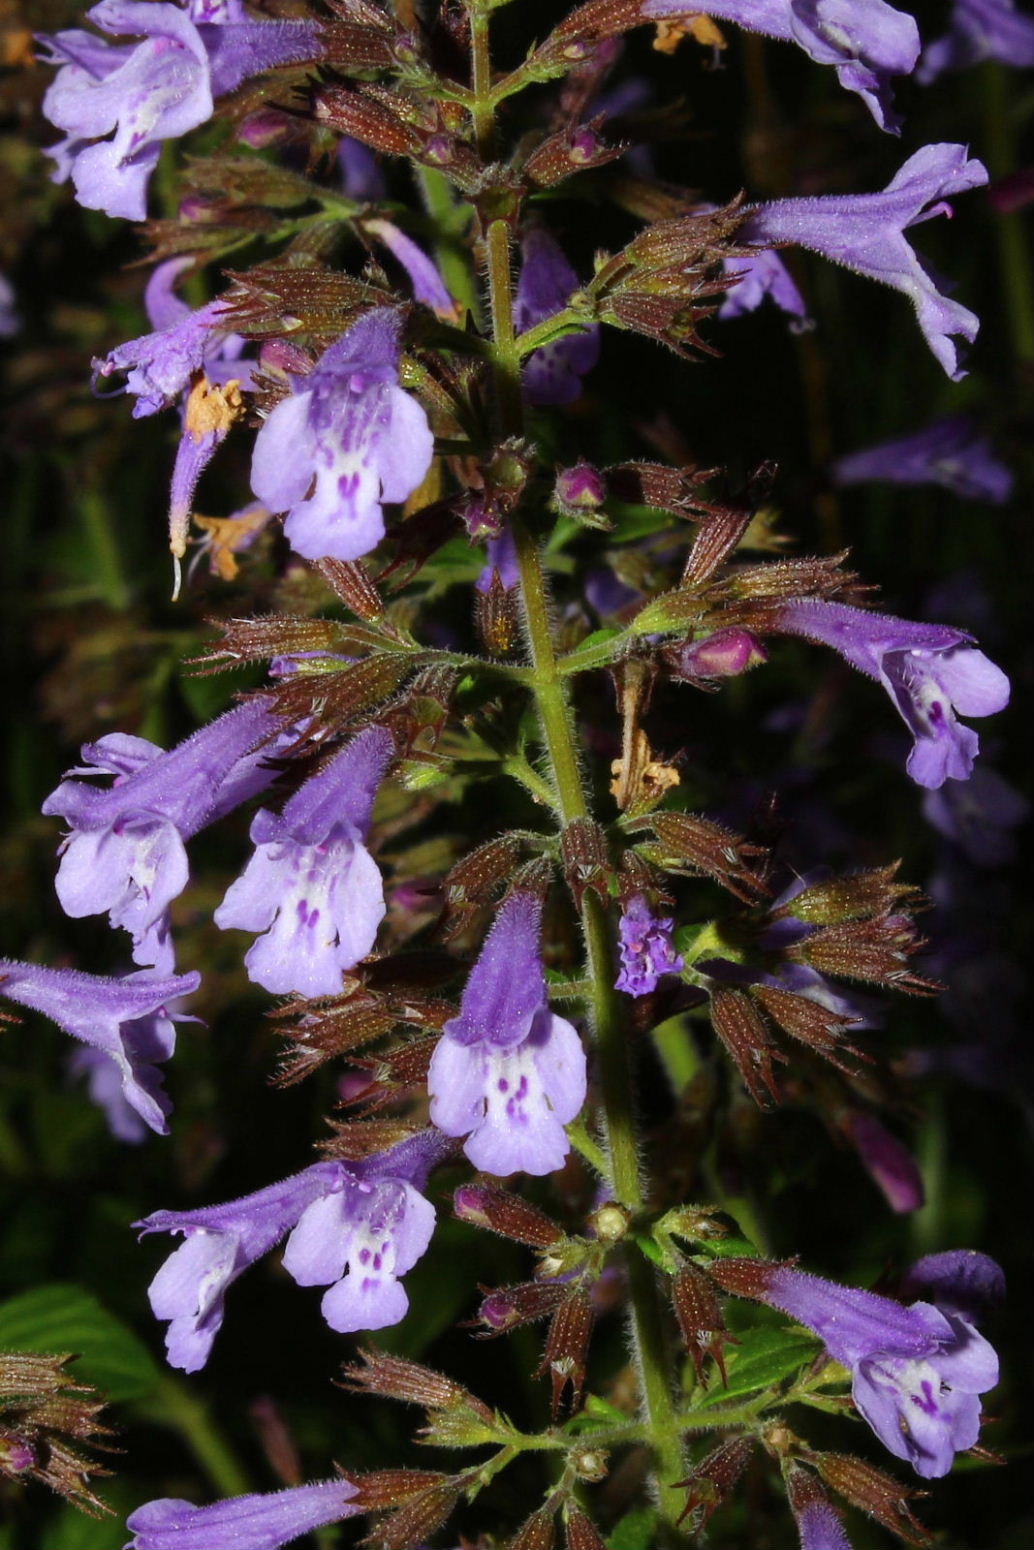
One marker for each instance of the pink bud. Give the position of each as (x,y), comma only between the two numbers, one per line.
(721,655)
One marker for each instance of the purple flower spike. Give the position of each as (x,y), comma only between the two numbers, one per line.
(220,1244)
(507,1073)
(147,92)
(929,670)
(979,29)
(375,1228)
(950,453)
(866,41)
(126,1019)
(552,374)
(125,853)
(349,425)
(760,275)
(866,233)
(917,1372)
(312,887)
(258,1522)
(646,950)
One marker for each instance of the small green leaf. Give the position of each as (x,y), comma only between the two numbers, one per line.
(596,1415)
(763,1357)
(637,1530)
(63,1318)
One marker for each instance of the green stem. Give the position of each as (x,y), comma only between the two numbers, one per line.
(174,1405)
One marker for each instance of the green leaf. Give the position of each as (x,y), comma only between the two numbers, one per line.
(63,1318)
(637,1530)
(597,1415)
(763,1357)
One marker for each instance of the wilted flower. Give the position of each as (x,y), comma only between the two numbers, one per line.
(866,41)
(256,1522)
(950,453)
(646,949)
(866,233)
(312,887)
(553,373)
(979,29)
(929,671)
(125,853)
(507,1073)
(128,1020)
(350,426)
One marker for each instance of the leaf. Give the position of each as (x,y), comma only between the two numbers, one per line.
(763,1357)
(63,1318)
(637,1530)
(597,1415)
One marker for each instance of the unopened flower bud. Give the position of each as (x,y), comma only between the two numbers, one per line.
(509,1215)
(610,1222)
(721,655)
(583,1534)
(579,493)
(509,1306)
(695,1297)
(714,1477)
(872,1491)
(16,1453)
(266,127)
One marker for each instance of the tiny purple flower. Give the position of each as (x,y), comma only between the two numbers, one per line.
(929,670)
(351,426)
(552,374)
(887,1161)
(818,1522)
(950,453)
(152,90)
(507,1073)
(312,888)
(501,561)
(126,1019)
(256,1522)
(979,816)
(866,233)
(646,950)
(866,41)
(757,276)
(125,853)
(979,29)
(723,654)
(428,285)
(917,1372)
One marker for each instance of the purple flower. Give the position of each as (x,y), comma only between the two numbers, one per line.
(428,285)
(312,887)
(917,1372)
(351,427)
(757,276)
(152,90)
(9,319)
(866,41)
(361,175)
(818,1522)
(887,1161)
(866,233)
(501,561)
(104,1086)
(950,453)
(125,853)
(646,950)
(365,1217)
(507,1074)
(979,29)
(958,1281)
(929,670)
(553,373)
(979,816)
(257,1522)
(126,1019)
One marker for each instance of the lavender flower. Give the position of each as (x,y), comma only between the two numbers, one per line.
(365,1217)
(104,1085)
(126,1019)
(646,950)
(552,374)
(428,285)
(950,453)
(916,1372)
(152,90)
(979,29)
(256,1522)
(929,671)
(866,41)
(757,276)
(361,176)
(887,1161)
(351,426)
(959,1281)
(818,1522)
(312,887)
(507,1074)
(866,233)
(125,853)
(501,561)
